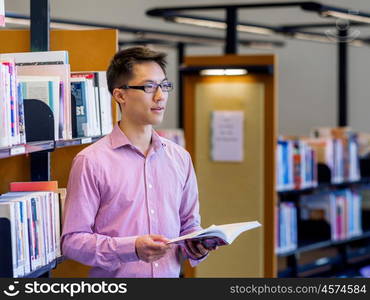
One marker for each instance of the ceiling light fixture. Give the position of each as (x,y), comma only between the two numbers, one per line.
(221,25)
(312,37)
(202,23)
(222,72)
(55,25)
(347,16)
(16,21)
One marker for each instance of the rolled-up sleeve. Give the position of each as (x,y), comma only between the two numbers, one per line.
(79,241)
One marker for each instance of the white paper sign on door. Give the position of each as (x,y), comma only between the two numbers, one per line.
(227,136)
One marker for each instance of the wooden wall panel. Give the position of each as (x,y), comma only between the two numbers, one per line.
(16,168)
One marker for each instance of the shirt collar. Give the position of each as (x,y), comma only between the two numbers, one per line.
(157,141)
(119,139)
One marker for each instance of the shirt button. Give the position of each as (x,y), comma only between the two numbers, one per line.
(156,265)
(152,211)
(150,186)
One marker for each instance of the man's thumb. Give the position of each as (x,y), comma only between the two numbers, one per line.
(159,238)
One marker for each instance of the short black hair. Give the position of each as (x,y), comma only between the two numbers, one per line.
(121,66)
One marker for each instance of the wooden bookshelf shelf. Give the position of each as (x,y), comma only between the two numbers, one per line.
(323,187)
(38,146)
(306,246)
(76,142)
(45,269)
(26,148)
(324,267)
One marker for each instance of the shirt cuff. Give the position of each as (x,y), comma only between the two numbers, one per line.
(126,250)
(193,261)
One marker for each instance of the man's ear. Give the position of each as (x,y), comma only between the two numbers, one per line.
(119,96)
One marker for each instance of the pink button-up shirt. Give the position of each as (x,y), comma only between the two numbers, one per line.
(115,194)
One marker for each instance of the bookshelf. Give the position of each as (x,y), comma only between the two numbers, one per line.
(247,190)
(321,250)
(88,50)
(229,191)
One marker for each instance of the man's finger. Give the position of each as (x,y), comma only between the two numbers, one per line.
(159,238)
(155,246)
(201,249)
(191,248)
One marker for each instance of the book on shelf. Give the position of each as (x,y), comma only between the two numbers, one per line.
(93,103)
(105,103)
(46,76)
(218,234)
(284,165)
(11,105)
(364,144)
(48,63)
(365,206)
(287,232)
(80,114)
(46,89)
(340,209)
(296,166)
(34,229)
(10,211)
(90,102)
(62,72)
(38,57)
(342,152)
(62,200)
(31,186)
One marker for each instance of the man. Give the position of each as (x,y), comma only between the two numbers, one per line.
(132,191)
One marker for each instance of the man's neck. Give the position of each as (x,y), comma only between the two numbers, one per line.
(139,136)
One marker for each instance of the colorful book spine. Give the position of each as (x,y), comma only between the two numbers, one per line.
(79,95)
(34,186)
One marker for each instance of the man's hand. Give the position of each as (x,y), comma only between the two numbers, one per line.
(198,248)
(151,247)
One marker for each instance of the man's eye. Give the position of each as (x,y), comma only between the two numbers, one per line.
(149,86)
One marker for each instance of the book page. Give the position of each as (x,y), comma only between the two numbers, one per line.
(226,232)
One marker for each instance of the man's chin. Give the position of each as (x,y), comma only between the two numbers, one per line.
(156,121)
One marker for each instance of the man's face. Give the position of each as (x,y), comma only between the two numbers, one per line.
(141,108)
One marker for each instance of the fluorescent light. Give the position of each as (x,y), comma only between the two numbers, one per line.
(312,37)
(17,21)
(55,25)
(221,72)
(222,25)
(346,16)
(357,43)
(329,38)
(203,23)
(255,29)
(235,72)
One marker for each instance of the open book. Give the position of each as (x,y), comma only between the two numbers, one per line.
(220,234)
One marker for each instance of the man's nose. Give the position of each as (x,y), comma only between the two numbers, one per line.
(159,95)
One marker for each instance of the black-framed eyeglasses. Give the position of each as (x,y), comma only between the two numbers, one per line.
(149,88)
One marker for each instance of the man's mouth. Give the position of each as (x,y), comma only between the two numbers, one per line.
(157,109)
